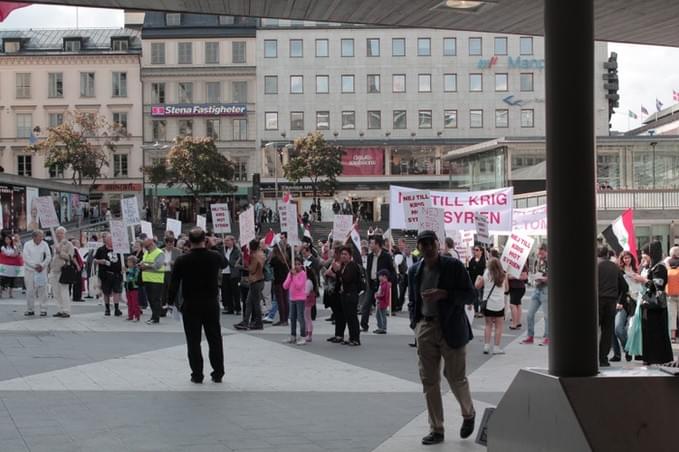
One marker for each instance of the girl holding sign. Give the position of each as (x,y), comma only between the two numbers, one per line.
(494,280)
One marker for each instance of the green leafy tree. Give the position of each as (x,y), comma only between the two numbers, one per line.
(195,163)
(82,143)
(313,158)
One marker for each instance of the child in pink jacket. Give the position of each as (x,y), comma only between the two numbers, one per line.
(297,283)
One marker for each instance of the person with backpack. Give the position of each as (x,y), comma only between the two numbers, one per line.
(673,291)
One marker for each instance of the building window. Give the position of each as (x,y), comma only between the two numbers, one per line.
(173,19)
(120,44)
(119,165)
(24,125)
(270,48)
(157,53)
(119,84)
(212,52)
(374,119)
(296,48)
(527,118)
(159,129)
(347,83)
(271,120)
(501,82)
(347,47)
(120,120)
(158,93)
(212,129)
(23,85)
(240,167)
(240,129)
(526,45)
(11,46)
(400,121)
(72,45)
(185,127)
(476,119)
(322,50)
(213,91)
(55,84)
(226,20)
(240,91)
(449,46)
(55,119)
(450,119)
(501,118)
(322,84)
(56,171)
(424,119)
(296,84)
(424,83)
(423,47)
(526,82)
(501,46)
(185,92)
(297,120)
(348,120)
(373,83)
(24,165)
(475,82)
(475,47)
(398,83)
(270,84)
(449,83)
(87,84)
(373,47)
(398,47)
(185,52)
(322,120)
(238,52)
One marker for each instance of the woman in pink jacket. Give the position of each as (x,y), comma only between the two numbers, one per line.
(299,286)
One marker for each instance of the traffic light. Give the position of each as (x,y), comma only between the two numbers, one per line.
(611,84)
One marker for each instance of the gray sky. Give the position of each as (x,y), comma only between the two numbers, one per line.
(645,72)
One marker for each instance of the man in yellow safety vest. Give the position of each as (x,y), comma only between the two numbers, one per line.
(153,276)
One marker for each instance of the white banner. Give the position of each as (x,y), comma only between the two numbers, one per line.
(482,235)
(341,227)
(174,226)
(201,222)
(31,209)
(531,221)
(431,218)
(46,212)
(221,218)
(119,237)
(130,208)
(412,201)
(292,224)
(147,228)
(246,222)
(515,253)
(459,208)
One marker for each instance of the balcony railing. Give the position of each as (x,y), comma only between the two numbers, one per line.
(637,199)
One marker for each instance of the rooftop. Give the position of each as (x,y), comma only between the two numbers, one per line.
(93,39)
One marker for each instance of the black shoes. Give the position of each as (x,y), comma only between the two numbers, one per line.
(217,378)
(29,313)
(433,438)
(467,427)
(107,311)
(628,357)
(241,326)
(615,359)
(62,315)
(118,313)
(605,363)
(197,380)
(43,314)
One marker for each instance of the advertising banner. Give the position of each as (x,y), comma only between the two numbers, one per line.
(198,110)
(221,218)
(515,253)
(363,162)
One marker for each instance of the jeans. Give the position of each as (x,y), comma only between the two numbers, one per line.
(271,315)
(381,316)
(620,332)
(253,307)
(297,314)
(538,299)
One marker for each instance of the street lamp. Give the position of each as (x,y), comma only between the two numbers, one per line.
(274,146)
(154,147)
(653,145)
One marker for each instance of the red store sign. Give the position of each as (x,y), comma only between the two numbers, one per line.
(363,162)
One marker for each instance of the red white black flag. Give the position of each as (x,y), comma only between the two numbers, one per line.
(620,234)
(7,7)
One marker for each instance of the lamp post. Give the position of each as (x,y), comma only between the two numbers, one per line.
(154,147)
(653,145)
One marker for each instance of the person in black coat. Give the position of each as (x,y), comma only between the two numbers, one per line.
(476,266)
(231,302)
(612,288)
(655,336)
(379,259)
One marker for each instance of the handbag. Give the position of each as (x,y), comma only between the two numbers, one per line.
(69,273)
(655,300)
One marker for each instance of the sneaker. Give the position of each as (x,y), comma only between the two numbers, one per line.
(433,438)
(545,341)
(290,340)
(467,427)
(29,313)
(498,351)
(486,349)
(265,320)
(300,341)
(528,341)
(152,322)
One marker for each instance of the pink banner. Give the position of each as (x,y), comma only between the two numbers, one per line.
(363,162)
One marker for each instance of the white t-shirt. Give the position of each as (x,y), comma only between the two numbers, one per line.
(496,301)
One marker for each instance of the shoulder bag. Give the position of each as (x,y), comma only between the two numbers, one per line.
(69,273)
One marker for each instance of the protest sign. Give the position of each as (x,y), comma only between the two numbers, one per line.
(341,227)
(515,253)
(459,208)
(221,218)
(130,208)
(246,222)
(482,235)
(46,212)
(201,222)
(461,246)
(119,237)
(147,228)
(292,224)
(283,216)
(174,226)
(530,221)
(431,218)
(412,201)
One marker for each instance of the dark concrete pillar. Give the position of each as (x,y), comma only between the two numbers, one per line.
(569,67)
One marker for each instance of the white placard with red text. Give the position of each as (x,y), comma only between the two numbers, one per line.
(221,218)
(482,235)
(412,201)
(119,237)
(431,218)
(246,222)
(130,208)
(516,253)
(46,212)
(341,227)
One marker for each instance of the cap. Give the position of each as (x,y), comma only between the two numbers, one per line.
(426,235)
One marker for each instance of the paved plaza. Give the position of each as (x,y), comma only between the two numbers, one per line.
(95,383)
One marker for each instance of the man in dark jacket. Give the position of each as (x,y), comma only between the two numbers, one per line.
(612,287)
(378,260)
(231,276)
(439,288)
(194,273)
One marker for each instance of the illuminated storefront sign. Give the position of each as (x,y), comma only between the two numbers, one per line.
(199,110)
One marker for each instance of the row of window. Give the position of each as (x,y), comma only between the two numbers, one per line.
(398,47)
(212,129)
(25,166)
(24,122)
(399,119)
(213,92)
(185,52)
(55,84)
(398,83)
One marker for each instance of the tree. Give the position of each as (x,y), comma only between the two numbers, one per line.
(196,163)
(315,159)
(81,143)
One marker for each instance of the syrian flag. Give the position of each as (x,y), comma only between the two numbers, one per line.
(620,234)
(303,231)
(356,237)
(11,266)
(7,7)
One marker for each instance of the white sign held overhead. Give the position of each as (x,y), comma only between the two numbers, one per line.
(147,228)
(221,218)
(431,218)
(46,212)
(130,208)
(292,230)
(412,201)
(482,234)
(201,222)
(341,227)
(119,237)
(246,222)
(175,226)
(516,253)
